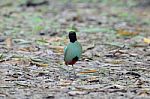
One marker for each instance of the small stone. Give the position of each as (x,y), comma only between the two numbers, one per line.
(2,39)
(42,33)
(99,23)
(50,97)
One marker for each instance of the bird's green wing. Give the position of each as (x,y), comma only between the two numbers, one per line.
(65,53)
(79,49)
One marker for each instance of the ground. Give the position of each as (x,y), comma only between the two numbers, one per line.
(115,37)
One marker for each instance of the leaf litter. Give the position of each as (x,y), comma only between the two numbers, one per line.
(114,64)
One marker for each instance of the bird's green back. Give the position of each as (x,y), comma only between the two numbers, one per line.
(72,50)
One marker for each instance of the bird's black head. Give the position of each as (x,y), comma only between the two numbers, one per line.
(72,36)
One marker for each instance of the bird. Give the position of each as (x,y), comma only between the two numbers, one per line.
(73,51)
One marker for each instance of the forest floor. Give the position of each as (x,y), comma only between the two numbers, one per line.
(115,36)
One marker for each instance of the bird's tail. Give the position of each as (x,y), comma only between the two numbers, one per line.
(76,58)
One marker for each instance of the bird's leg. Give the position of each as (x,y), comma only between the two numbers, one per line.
(74,71)
(68,71)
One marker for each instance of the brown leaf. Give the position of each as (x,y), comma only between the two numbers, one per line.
(29,49)
(57,49)
(93,79)
(124,32)
(9,42)
(144,93)
(88,71)
(39,64)
(56,39)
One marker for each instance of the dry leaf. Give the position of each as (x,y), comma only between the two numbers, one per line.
(88,71)
(56,39)
(74,93)
(65,83)
(92,87)
(144,93)
(57,49)
(9,42)
(116,61)
(146,40)
(127,32)
(93,79)
(39,64)
(28,49)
